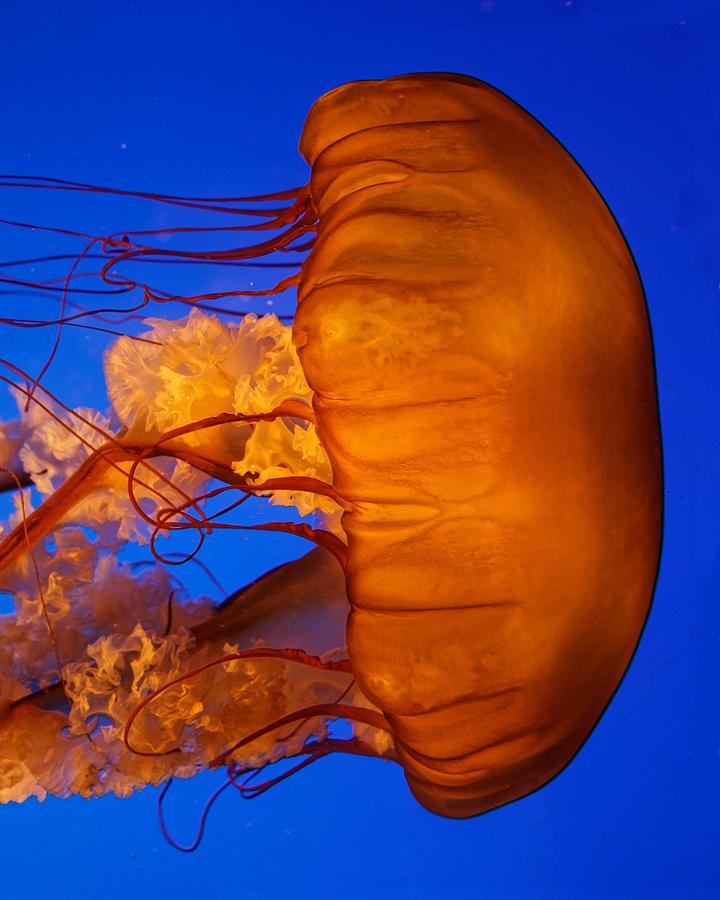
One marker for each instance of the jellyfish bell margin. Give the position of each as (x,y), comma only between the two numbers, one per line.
(467,404)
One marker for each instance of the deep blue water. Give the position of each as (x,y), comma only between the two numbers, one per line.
(209,98)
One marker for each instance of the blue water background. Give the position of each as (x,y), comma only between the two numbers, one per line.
(209,98)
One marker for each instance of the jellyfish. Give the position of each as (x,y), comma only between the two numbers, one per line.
(465,406)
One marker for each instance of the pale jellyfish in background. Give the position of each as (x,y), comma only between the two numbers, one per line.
(118,634)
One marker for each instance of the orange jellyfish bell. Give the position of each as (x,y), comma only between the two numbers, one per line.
(470,382)
(474,330)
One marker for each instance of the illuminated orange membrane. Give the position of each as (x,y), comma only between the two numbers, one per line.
(475,332)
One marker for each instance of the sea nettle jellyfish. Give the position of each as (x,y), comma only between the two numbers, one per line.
(465,405)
